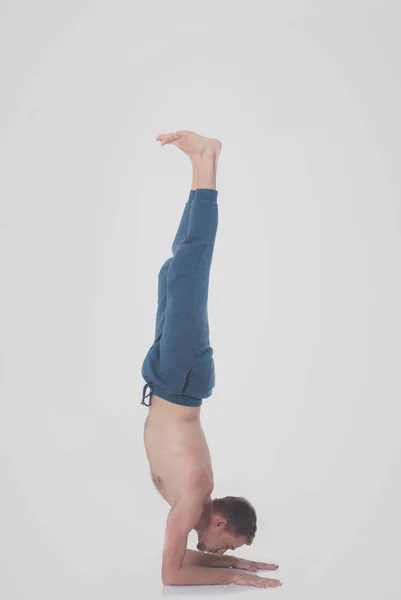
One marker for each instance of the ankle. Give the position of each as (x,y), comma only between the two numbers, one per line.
(205,158)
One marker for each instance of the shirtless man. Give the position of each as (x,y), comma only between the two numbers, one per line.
(179,370)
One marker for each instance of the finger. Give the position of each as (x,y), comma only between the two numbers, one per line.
(263,582)
(271,582)
(267,566)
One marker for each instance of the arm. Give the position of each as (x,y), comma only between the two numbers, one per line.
(203,559)
(180,521)
(193,557)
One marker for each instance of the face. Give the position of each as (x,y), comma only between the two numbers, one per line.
(217,539)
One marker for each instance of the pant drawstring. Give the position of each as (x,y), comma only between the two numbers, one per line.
(150,385)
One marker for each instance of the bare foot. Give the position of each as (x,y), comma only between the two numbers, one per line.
(193,145)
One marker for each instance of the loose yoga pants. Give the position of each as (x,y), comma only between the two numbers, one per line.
(179,366)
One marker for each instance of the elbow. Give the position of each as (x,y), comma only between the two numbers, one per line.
(174,577)
(168,578)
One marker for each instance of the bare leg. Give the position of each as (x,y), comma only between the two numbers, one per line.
(194,177)
(205,167)
(203,153)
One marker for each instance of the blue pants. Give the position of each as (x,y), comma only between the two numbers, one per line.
(179,365)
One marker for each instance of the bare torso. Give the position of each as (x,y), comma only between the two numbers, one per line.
(176,449)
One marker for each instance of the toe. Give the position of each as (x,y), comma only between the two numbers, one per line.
(170,137)
(167,138)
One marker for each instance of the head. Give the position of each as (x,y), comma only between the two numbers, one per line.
(229,524)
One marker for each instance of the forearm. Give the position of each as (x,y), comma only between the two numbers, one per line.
(203,559)
(190,575)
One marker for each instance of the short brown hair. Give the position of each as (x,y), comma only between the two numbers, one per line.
(240,515)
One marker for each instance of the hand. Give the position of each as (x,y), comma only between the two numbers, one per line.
(255,580)
(252,565)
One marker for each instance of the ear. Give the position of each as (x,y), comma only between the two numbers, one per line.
(219,521)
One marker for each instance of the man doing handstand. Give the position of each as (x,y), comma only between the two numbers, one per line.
(179,371)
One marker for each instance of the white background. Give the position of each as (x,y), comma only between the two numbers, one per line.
(305,294)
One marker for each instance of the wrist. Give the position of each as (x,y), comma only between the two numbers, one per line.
(224,561)
(232,561)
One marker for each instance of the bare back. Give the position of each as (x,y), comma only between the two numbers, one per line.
(176,449)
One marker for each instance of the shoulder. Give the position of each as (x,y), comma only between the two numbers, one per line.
(198,487)
(188,508)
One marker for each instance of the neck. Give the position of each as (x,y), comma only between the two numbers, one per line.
(206,516)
